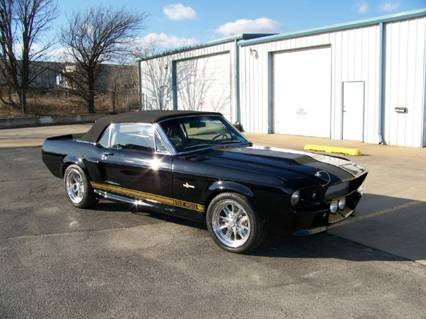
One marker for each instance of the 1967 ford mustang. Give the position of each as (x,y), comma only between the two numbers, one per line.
(196,165)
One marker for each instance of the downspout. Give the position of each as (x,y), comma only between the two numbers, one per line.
(139,65)
(174,86)
(271,115)
(237,82)
(382,74)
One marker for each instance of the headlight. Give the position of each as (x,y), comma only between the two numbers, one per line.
(334,205)
(342,203)
(295,198)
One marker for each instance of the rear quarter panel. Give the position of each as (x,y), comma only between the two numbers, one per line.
(60,151)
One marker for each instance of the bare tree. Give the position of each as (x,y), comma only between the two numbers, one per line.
(122,81)
(156,79)
(22,23)
(96,36)
(196,87)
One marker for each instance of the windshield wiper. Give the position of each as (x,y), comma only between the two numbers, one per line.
(231,142)
(213,144)
(197,145)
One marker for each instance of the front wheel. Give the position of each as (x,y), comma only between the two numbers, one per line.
(234,224)
(78,188)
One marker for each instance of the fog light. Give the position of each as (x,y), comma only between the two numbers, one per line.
(342,203)
(295,198)
(334,206)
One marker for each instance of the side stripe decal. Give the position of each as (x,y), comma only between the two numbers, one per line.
(148,196)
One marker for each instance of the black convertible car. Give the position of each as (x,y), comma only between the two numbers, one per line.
(196,165)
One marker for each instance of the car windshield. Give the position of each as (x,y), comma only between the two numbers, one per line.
(189,133)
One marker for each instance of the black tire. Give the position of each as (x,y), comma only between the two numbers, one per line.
(87,199)
(256,224)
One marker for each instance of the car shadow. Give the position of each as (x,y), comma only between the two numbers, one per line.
(321,246)
(115,207)
(384,228)
(170,218)
(112,207)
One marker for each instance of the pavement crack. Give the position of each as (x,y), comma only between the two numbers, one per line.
(71,233)
(27,179)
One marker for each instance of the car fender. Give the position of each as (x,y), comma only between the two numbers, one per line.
(69,160)
(224,186)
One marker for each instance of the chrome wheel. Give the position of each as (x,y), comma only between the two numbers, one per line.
(75,186)
(231,223)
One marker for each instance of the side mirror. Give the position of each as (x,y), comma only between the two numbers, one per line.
(239,127)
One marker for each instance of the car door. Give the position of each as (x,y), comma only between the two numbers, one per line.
(132,160)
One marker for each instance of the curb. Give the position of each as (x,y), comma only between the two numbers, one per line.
(6,123)
(333,149)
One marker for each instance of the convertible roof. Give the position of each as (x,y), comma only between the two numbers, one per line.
(135,117)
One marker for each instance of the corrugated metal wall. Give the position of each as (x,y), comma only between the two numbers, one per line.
(204,84)
(157,73)
(355,55)
(405,82)
(155,82)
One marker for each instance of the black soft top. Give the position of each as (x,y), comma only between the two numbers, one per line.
(135,117)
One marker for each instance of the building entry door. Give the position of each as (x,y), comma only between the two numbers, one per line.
(353,111)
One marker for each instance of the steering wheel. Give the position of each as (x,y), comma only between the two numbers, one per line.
(222,136)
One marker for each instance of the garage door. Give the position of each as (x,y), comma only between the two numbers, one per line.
(302,92)
(204,84)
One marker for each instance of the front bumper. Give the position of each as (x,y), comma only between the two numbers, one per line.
(317,221)
(333,219)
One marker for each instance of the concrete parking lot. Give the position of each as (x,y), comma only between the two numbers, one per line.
(57,261)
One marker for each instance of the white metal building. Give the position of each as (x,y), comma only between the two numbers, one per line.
(361,81)
(195,78)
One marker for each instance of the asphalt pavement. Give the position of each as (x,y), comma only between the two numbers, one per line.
(57,261)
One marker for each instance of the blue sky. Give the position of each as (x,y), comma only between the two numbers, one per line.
(175,23)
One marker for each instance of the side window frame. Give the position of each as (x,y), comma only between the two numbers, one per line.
(164,139)
(106,131)
(156,135)
(115,126)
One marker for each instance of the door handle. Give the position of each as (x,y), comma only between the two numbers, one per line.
(105,155)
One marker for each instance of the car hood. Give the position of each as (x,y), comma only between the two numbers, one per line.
(298,168)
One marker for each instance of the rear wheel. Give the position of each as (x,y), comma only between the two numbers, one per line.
(78,188)
(234,224)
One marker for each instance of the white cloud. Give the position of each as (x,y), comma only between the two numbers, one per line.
(361,7)
(179,12)
(163,41)
(260,25)
(389,6)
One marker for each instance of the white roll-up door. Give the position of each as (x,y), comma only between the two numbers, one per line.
(302,92)
(204,84)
